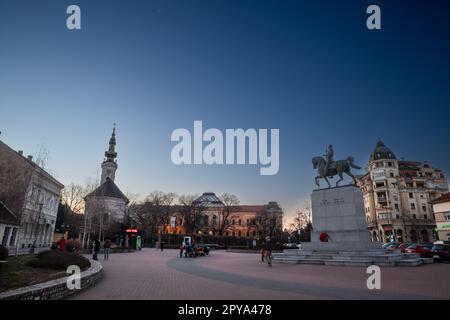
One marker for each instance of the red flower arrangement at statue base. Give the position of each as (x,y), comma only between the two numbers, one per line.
(324,237)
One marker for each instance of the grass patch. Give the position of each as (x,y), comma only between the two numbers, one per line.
(27,270)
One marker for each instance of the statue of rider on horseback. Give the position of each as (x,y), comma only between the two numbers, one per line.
(327,168)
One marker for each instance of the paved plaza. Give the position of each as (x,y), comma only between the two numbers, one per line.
(152,274)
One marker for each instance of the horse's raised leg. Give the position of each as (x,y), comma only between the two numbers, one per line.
(353,177)
(317,182)
(340,179)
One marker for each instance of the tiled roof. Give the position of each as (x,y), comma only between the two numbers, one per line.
(108,189)
(7,217)
(444,198)
(250,208)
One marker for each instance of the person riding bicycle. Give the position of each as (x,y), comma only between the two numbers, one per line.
(268,250)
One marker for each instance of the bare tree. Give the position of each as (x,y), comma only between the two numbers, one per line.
(41,157)
(230,206)
(302,217)
(146,216)
(192,212)
(72,196)
(168,200)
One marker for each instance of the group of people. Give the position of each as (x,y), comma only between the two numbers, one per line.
(95,248)
(63,245)
(193,250)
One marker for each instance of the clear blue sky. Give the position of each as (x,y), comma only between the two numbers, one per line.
(309,68)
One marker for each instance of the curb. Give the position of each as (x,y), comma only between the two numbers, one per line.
(55,289)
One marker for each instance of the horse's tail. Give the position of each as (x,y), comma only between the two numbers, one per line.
(350,162)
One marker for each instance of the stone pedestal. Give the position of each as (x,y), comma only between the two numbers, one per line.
(339,212)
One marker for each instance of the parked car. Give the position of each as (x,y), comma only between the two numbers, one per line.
(393,246)
(442,242)
(404,246)
(386,245)
(423,249)
(399,246)
(441,252)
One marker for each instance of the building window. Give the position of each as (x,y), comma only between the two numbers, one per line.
(239,233)
(254,233)
(411,196)
(447,217)
(239,221)
(413,206)
(425,217)
(248,233)
(414,216)
(396,207)
(13,237)
(424,208)
(391,174)
(232,222)
(6,236)
(397,216)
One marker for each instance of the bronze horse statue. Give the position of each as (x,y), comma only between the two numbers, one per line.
(335,168)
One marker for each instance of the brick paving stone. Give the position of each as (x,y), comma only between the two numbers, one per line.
(152,274)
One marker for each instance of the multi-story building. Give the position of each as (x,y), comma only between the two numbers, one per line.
(32,195)
(398,196)
(441,207)
(249,221)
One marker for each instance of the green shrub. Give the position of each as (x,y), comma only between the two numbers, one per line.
(3,253)
(58,260)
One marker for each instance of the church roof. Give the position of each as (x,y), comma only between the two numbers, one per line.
(108,189)
(381,152)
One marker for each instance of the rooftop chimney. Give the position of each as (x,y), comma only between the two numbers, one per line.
(20,152)
(30,157)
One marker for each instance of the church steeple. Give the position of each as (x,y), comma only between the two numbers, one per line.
(111,154)
(109,165)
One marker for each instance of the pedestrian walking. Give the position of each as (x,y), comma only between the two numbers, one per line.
(62,244)
(268,250)
(181,250)
(96,249)
(161,245)
(106,247)
(263,253)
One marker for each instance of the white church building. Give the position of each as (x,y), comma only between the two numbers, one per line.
(107,202)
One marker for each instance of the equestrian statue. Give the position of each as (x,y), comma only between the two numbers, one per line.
(327,168)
